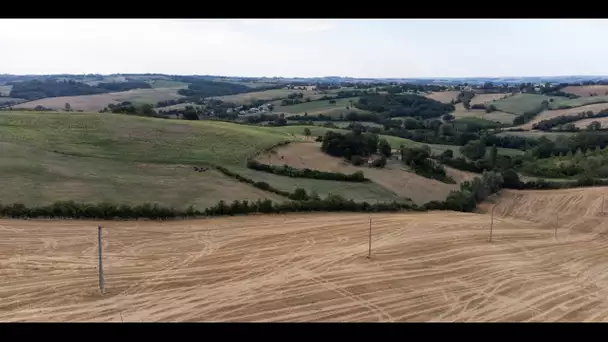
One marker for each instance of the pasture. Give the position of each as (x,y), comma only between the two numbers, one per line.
(435,266)
(521,103)
(92,157)
(536,134)
(133,138)
(37,177)
(167,84)
(318,107)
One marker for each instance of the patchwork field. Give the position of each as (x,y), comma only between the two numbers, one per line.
(93,103)
(587,90)
(318,107)
(549,114)
(436,266)
(394,176)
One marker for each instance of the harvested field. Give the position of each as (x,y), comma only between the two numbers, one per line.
(94,103)
(435,266)
(443,96)
(586,90)
(549,114)
(393,177)
(582,124)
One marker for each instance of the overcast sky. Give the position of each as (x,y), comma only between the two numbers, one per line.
(306,48)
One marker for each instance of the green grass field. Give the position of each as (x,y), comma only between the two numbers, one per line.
(36,177)
(178,106)
(521,103)
(131,138)
(578,102)
(316,107)
(168,84)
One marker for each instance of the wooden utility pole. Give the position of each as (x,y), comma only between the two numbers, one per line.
(369,250)
(100,261)
(492,223)
(556,223)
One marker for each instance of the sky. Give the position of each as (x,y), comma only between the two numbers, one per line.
(305,47)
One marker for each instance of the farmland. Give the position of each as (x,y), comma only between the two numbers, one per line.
(435,266)
(587,90)
(501,117)
(94,157)
(317,107)
(93,103)
(521,103)
(272,94)
(578,102)
(393,176)
(549,114)
(582,124)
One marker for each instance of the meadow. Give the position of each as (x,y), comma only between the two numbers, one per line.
(521,103)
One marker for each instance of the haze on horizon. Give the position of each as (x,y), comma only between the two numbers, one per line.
(305,47)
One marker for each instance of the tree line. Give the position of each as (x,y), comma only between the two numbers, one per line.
(404,105)
(548,124)
(289,171)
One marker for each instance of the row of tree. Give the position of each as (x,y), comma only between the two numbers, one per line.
(548,124)
(418,159)
(289,171)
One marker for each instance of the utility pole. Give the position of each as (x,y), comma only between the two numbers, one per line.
(100,262)
(556,223)
(492,223)
(369,250)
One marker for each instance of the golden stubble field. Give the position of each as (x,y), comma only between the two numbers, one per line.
(435,266)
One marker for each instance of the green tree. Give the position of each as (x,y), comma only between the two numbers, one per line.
(384,147)
(307,132)
(474,150)
(493,154)
(594,126)
(68,107)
